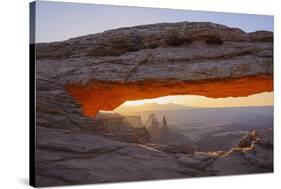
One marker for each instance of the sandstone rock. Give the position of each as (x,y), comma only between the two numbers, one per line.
(201,161)
(181,148)
(65,157)
(257,158)
(189,161)
(118,127)
(232,164)
(165,128)
(78,77)
(103,70)
(202,156)
(161,134)
(263,156)
(217,153)
(265,138)
(153,124)
(247,140)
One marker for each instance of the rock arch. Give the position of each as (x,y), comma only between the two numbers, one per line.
(103,70)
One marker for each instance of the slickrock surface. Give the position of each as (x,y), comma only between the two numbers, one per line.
(81,158)
(257,158)
(78,77)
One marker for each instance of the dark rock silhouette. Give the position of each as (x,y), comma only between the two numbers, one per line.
(165,128)
(153,124)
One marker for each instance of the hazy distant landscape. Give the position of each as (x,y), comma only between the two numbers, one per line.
(210,129)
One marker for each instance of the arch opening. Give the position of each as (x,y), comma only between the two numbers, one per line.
(180,102)
(108,95)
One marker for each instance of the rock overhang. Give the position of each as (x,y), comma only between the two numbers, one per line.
(101,71)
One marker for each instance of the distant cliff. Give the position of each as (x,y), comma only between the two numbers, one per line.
(122,128)
(161,133)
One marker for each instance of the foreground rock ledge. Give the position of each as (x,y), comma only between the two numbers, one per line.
(167,59)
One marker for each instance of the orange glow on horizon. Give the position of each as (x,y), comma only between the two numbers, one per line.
(108,96)
(261,99)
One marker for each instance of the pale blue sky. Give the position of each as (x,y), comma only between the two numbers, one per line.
(56,21)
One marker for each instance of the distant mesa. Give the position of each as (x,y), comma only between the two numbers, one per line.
(151,107)
(122,128)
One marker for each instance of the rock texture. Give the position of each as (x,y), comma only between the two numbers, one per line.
(258,157)
(79,158)
(102,71)
(247,140)
(78,77)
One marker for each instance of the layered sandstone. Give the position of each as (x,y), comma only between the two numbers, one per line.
(101,71)
(78,77)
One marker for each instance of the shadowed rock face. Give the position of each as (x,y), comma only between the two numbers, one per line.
(178,58)
(78,77)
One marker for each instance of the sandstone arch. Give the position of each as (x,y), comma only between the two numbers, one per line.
(109,95)
(77,77)
(103,70)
